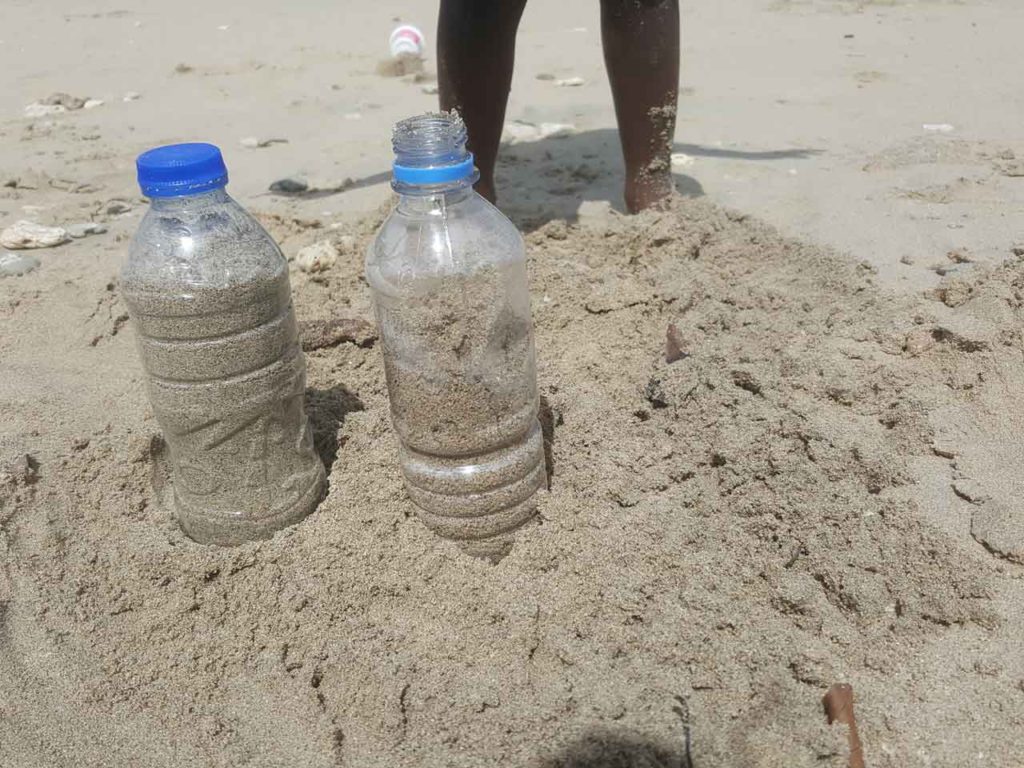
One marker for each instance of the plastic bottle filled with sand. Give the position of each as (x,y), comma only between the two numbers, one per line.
(448,273)
(209,299)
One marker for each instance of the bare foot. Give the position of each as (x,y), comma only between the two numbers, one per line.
(648,190)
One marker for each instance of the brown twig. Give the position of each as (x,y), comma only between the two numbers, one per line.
(838,703)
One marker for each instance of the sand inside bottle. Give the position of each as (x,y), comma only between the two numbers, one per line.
(459,359)
(226,381)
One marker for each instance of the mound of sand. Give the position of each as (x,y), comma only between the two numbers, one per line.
(725,536)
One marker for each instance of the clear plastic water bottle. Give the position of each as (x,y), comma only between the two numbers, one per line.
(448,274)
(209,299)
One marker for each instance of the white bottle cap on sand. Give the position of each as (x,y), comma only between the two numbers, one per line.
(406,40)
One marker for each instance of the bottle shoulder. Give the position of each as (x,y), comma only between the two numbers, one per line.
(217,245)
(445,239)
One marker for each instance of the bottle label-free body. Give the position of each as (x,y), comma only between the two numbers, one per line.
(226,379)
(459,360)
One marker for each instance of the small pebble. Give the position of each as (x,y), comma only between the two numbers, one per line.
(674,344)
(919,341)
(64,100)
(14,264)
(570,82)
(27,234)
(954,293)
(131,96)
(655,394)
(43,110)
(86,228)
(430,89)
(289,187)
(346,244)
(1012,169)
(92,103)
(317,257)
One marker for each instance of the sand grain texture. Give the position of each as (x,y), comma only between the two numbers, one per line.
(735,530)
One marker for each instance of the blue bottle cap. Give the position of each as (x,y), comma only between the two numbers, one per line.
(181,169)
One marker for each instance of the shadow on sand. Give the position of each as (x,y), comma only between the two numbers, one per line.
(603,748)
(327,409)
(539,181)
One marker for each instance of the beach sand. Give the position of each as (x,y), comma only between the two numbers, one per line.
(824,487)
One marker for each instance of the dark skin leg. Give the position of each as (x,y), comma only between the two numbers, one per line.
(476,43)
(476,51)
(641,53)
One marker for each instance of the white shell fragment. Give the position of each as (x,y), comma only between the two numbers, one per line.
(317,257)
(36,109)
(518,131)
(28,234)
(682,160)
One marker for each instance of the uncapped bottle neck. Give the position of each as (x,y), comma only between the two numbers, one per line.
(430,154)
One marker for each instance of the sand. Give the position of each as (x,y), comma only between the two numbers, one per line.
(823,488)
(736,530)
